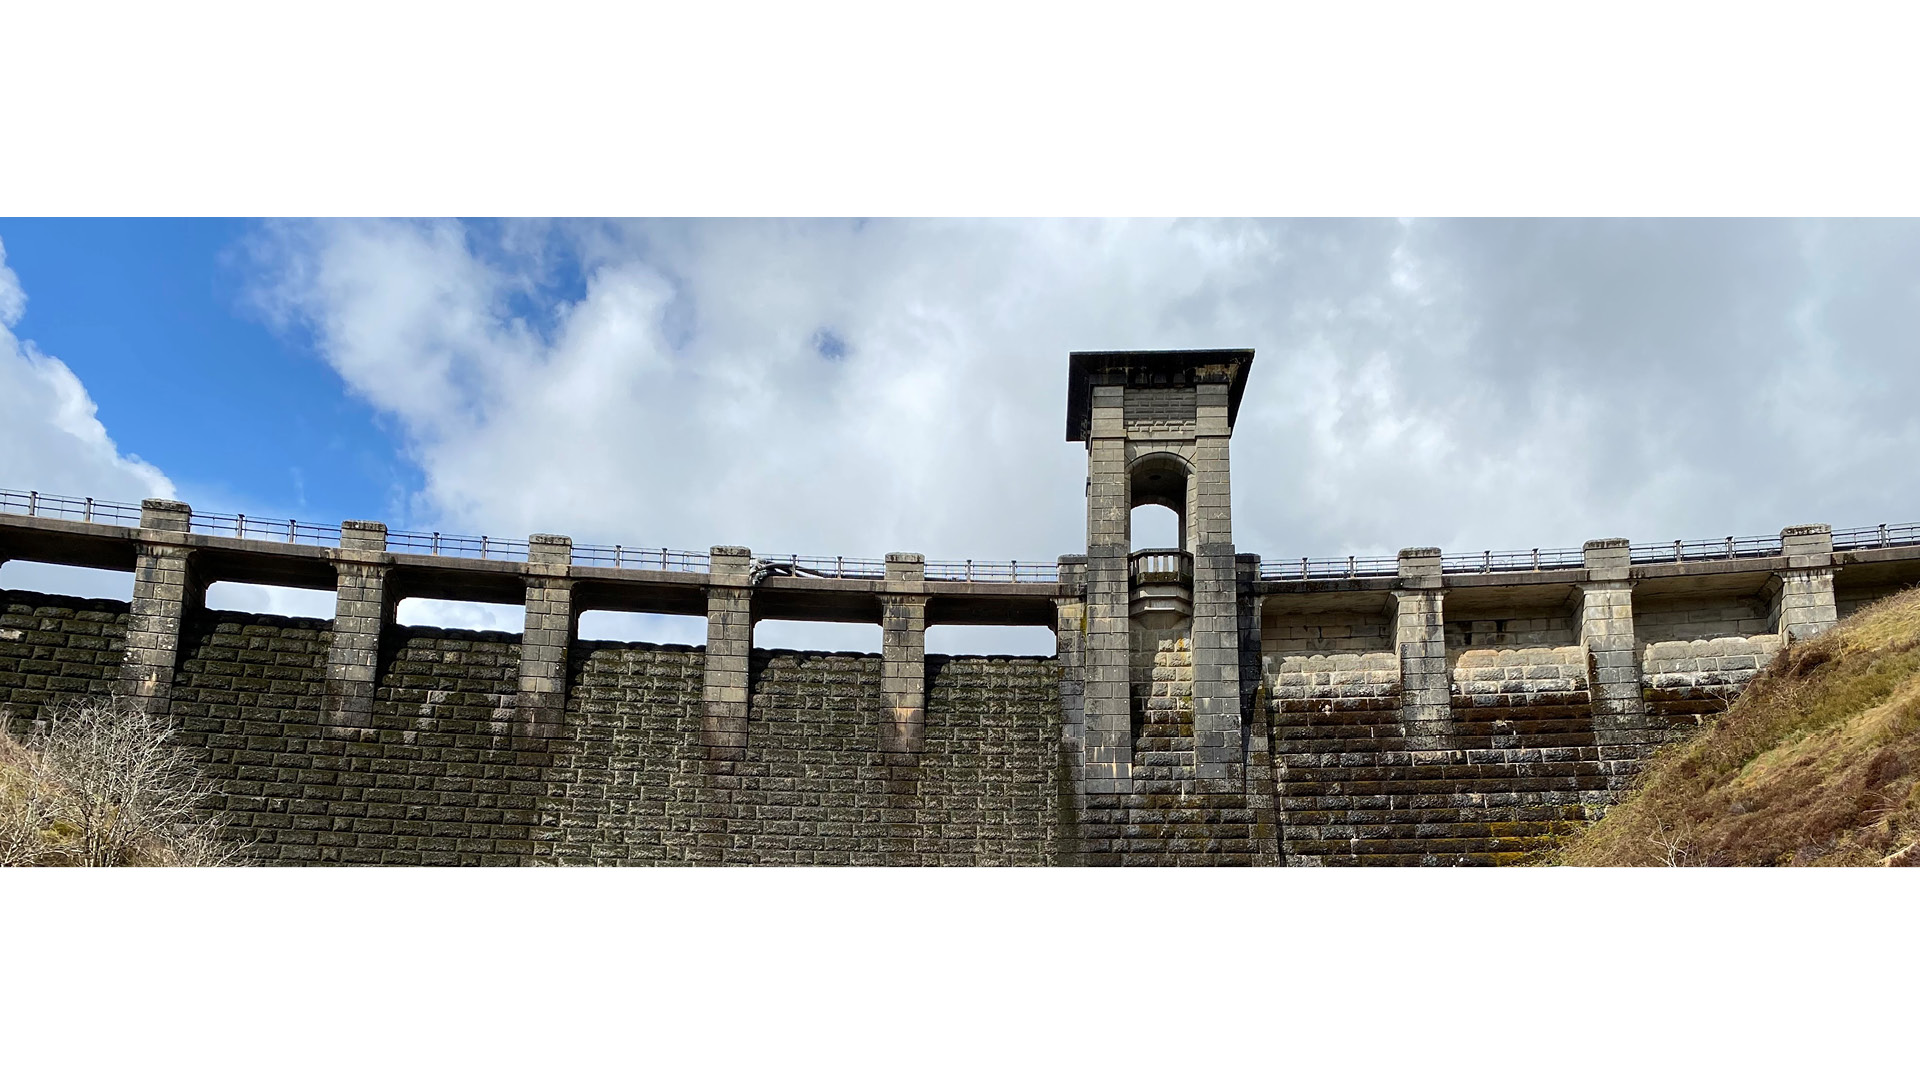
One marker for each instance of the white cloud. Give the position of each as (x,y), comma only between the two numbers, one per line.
(49,433)
(48,430)
(422,611)
(1470,384)
(273,599)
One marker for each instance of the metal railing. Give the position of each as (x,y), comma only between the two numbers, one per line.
(1876,536)
(1494,562)
(1484,562)
(285,531)
(68,508)
(1160,565)
(465,547)
(631,558)
(617,556)
(1353,566)
(1731,547)
(835,566)
(1014,572)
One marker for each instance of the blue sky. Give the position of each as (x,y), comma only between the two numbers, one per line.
(826,386)
(152,315)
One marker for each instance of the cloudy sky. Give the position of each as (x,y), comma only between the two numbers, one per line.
(863,386)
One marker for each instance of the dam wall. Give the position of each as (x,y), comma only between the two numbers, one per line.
(441,773)
(1412,715)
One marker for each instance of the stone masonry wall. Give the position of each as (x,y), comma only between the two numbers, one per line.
(1518,628)
(447,771)
(248,697)
(1329,654)
(1698,619)
(1154,412)
(440,777)
(995,787)
(1848,601)
(1513,766)
(1513,771)
(1327,632)
(446,774)
(1685,683)
(1480,676)
(55,648)
(816,787)
(633,715)
(1695,657)
(1516,761)
(1169,818)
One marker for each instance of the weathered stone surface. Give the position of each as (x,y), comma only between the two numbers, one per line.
(443,772)
(55,649)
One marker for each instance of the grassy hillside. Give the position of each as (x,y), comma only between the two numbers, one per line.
(1815,765)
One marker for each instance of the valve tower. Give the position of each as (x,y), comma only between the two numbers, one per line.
(1166,744)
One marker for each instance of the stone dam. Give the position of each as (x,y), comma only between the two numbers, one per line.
(1202,707)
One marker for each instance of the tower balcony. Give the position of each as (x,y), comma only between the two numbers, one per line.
(1160,583)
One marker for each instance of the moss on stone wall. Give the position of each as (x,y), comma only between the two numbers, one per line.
(56,647)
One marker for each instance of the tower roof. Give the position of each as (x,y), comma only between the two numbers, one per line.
(1167,367)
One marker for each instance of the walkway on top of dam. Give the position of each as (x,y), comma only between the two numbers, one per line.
(266,551)
(276,551)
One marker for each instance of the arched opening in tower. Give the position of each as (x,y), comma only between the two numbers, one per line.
(1158,494)
(1155,526)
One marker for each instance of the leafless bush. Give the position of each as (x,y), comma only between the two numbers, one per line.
(102,784)
(1674,846)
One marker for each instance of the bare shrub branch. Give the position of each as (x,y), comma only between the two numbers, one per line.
(106,786)
(1674,847)
(27,813)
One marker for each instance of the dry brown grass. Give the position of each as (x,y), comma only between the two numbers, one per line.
(1815,765)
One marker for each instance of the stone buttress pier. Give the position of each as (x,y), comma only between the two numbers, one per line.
(1419,638)
(1604,605)
(550,626)
(903,663)
(725,693)
(364,606)
(1803,598)
(166,589)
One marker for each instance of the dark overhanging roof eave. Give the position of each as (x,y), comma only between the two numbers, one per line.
(1082,365)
